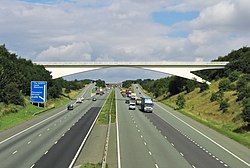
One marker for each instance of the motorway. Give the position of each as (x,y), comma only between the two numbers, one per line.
(166,138)
(25,148)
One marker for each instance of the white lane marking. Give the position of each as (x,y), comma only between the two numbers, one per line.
(138,130)
(32,166)
(14,152)
(156,165)
(31,127)
(222,147)
(56,142)
(46,152)
(29,142)
(40,135)
(145,143)
(117,137)
(172,144)
(141,136)
(149,152)
(193,166)
(48,129)
(85,139)
(181,154)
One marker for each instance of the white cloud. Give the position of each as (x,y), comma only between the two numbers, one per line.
(112,30)
(73,52)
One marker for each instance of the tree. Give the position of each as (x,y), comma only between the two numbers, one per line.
(176,85)
(180,102)
(191,85)
(224,85)
(246,111)
(243,87)
(224,105)
(204,86)
(12,94)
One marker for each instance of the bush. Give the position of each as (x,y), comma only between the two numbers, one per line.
(233,76)
(180,102)
(225,85)
(217,96)
(224,105)
(246,111)
(204,86)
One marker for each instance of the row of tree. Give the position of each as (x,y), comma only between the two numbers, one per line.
(235,76)
(16,75)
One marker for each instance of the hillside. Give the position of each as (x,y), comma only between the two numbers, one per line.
(224,105)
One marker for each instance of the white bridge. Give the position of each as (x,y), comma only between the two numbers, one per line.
(182,69)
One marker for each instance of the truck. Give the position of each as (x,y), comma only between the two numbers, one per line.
(124,92)
(147,104)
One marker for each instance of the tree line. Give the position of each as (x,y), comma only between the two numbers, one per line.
(17,73)
(235,76)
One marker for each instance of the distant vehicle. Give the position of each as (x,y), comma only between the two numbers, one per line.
(70,107)
(127,101)
(133,96)
(94,99)
(147,105)
(79,100)
(131,106)
(138,101)
(123,92)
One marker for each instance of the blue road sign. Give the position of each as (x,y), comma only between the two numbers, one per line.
(38,91)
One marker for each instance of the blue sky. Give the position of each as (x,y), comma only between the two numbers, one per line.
(126,30)
(170,18)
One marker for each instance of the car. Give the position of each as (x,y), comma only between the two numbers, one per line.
(94,99)
(127,101)
(79,100)
(131,106)
(70,107)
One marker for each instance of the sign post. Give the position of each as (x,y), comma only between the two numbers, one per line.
(38,92)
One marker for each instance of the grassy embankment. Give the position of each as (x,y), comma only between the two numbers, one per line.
(103,117)
(21,114)
(199,107)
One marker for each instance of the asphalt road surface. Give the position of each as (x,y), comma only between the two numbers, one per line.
(166,138)
(27,146)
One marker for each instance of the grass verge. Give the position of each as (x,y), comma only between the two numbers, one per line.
(104,114)
(92,165)
(27,112)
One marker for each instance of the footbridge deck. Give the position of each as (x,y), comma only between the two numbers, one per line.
(182,69)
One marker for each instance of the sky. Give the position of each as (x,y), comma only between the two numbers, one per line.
(123,30)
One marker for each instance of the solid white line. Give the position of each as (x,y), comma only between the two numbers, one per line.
(32,166)
(117,137)
(149,152)
(46,152)
(181,154)
(156,165)
(222,147)
(31,127)
(14,152)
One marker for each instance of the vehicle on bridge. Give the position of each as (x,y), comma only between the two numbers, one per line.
(147,105)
